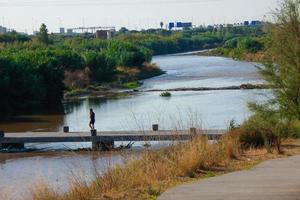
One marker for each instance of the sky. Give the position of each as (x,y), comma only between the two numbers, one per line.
(27,15)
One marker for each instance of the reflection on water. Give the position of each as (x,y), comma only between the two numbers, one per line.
(33,123)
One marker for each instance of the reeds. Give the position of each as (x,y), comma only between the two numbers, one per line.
(149,175)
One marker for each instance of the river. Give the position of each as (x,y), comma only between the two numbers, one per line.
(205,109)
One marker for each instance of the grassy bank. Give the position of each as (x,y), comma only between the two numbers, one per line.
(155,171)
(230,53)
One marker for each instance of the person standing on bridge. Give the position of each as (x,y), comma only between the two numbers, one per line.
(92,119)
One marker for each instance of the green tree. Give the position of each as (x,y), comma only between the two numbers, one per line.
(282,66)
(43,35)
(281,69)
(101,66)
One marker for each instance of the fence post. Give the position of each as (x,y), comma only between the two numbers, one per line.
(2,134)
(155,127)
(193,132)
(66,129)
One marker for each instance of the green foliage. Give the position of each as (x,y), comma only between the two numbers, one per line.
(279,117)
(250,45)
(132,85)
(13,37)
(25,78)
(268,123)
(235,47)
(33,72)
(233,125)
(68,59)
(102,67)
(43,35)
(294,129)
(127,54)
(165,94)
(282,67)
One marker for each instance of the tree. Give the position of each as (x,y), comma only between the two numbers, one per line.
(281,69)
(282,65)
(101,66)
(43,35)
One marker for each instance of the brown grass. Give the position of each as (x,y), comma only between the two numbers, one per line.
(151,174)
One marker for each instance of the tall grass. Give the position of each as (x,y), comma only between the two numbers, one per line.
(149,175)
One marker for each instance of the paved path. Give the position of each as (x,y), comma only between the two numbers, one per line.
(272,180)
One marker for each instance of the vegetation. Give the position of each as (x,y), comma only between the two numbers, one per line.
(149,175)
(43,36)
(35,71)
(166,94)
(132,85)
(279,117)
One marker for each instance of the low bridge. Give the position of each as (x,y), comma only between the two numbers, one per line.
(102,140)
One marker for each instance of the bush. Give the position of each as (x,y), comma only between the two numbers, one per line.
(132,85)
(166,94)
(294,129)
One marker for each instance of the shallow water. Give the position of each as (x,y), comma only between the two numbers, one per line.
(18,176)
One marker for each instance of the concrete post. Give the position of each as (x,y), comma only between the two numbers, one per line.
(66,129)
(2,134)
(193,132)
(95,143)
(155,127)
(94,132)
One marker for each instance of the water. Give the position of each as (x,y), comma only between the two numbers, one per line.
(18,176)
(208,109)
(139,111)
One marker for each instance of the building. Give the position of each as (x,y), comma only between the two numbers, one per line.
(69,31)
(3,30)
(246,23)
(180,25)
(255,23)
(105,34)
(62,30)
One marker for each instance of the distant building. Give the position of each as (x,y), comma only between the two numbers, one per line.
(246,23)
(3,30)
(35,32)
(105,34)
(62,30)
(255,23)
(180,25)
(171,25)
(69,31)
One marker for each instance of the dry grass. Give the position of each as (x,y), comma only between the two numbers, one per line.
(151,174)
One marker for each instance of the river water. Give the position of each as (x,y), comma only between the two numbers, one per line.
(206,109)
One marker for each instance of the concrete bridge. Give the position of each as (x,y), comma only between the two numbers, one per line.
(102,140)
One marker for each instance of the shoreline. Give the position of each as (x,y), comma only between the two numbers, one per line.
(247,57)
(240,87)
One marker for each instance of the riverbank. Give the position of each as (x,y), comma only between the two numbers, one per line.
(239,87)
(249,57)
(116,89)
(155,171)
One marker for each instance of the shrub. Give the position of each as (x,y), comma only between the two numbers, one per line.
(166,94)
(294,129)
(153,172)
